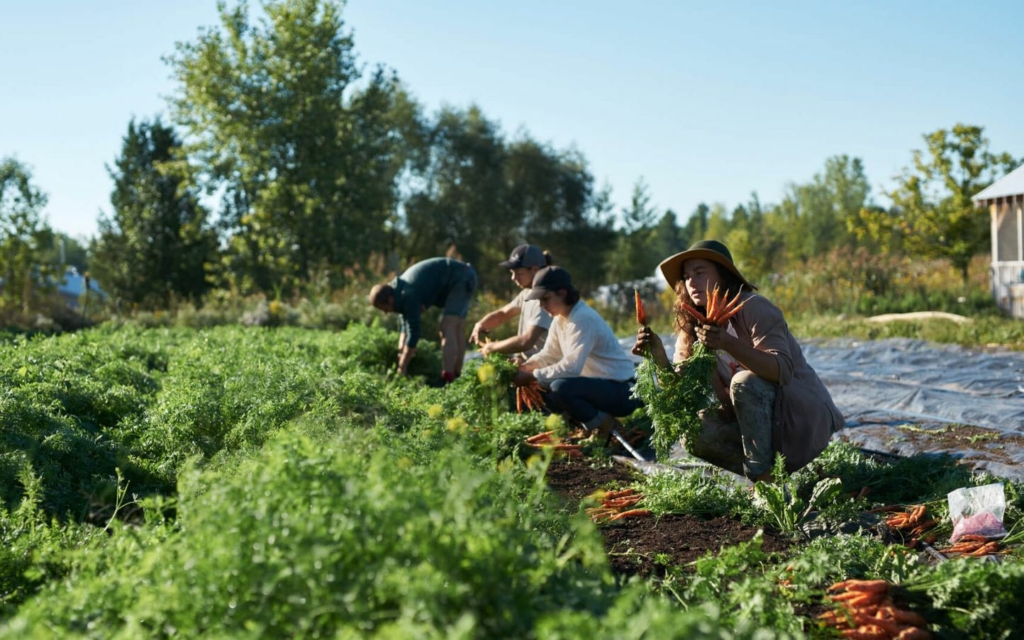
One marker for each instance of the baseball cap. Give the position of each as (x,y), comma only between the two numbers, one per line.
(549,279)
(524,256)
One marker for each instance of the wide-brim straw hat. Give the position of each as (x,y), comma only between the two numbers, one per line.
(713,250)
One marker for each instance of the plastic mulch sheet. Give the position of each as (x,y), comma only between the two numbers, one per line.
(911,397)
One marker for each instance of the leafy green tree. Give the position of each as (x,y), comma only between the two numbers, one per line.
(156,244)
(667,238)
(936,216)
(462,197)
(816,214)
(755,245)
(24,237)
(550,198)
(633,257)
(484,196)
(304,160)
(696,226)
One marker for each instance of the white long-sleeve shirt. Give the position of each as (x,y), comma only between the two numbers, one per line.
(581,345)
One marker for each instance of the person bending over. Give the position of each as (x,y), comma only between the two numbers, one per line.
(439,282)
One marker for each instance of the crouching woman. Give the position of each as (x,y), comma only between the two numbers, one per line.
(582,368)
(772,400)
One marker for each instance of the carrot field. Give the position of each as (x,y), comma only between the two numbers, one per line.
(254,482)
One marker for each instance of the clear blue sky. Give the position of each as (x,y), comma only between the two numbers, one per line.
(708,101)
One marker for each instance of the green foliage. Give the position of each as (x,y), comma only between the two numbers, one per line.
(157,244)
(745,595)
(972,599)
(307,164)
(24,236)
(781,503)
(934,215)
(693,492)
(674,399)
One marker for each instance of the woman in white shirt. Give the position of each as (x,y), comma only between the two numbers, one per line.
(583,369)
(524,263)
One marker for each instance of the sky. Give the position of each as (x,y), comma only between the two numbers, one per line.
(704,101)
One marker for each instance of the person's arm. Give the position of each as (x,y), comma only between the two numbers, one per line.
(516,344)
(405,356)
(767,356)
(648,341)
(492,320)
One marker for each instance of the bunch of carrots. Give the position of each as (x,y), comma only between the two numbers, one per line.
(912,523)
(548,440)
(866,611)
(529,397)
(618,505)
(972,546)
(718,307)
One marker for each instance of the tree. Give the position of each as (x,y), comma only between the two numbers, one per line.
(816,214)
(696,226)
(484,196)
(156,244)
(633,258)
(462,196)
(24,236)
(936,216)
(305,162)
(667,240)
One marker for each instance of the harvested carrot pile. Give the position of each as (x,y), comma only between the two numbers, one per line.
(529,398)
(973,546)
(618,505)
(548,440)
(912,524)
(866,610)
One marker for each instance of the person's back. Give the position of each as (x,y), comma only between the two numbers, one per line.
(429,281)
(435,282)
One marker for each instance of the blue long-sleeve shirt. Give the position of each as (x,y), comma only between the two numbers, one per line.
(424,284)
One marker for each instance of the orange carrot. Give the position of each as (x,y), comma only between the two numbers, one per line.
(623,502)
(890,626)
(634,513)
(866,633)
(914,633)
(641,315)
(971,537)
(541,436)
(519,399)
(620,494)
(722,319)
(693,312)
(904,616)
(867,586)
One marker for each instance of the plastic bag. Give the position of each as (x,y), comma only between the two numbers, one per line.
(977,511)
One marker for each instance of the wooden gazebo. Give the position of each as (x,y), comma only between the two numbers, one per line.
(1005,200)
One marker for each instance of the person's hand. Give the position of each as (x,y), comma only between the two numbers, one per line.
(485,350)
(522,378)
(477,336)
(713,337)
(645,341)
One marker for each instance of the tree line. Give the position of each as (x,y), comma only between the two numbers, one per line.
(284,163)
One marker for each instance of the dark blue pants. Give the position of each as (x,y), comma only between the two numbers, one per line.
(590,399)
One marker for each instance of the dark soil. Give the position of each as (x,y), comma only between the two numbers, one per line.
(647,546)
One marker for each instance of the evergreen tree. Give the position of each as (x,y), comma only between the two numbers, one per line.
(156,244)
